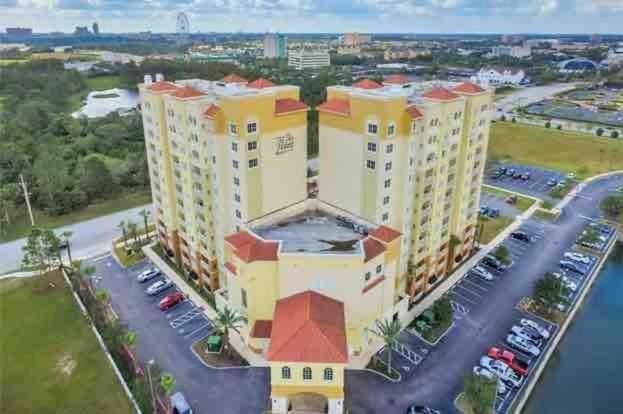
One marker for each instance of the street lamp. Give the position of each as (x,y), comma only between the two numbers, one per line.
(150,363)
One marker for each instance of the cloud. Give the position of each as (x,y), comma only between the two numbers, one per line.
(548,7)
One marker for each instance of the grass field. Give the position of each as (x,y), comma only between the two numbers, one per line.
(51,361)
(523,203)
(6,62)
(586,155)
(21,225)
(492,227)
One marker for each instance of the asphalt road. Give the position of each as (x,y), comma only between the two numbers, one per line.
(90,238)
(531,94)
(437,380)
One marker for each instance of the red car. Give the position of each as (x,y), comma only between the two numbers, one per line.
(171,300)
(510,359)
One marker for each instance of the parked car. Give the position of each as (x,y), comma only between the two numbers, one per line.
(511,199)
(566,282)
(571,176)
(577,257)
(179,405)
(604,230)
(501,370)
(552,182)
(484,372)
(522,344)
(525,176)
(527,333)
(493,263)
(484,211)
(510,172)
(420,409)
(158,287)
(517,175)
(496,174)
(493,212)
(171,300)
(562,183)
(481,272)
(571,266)
(509,359)
(148,274)
(540,329)
(522,236)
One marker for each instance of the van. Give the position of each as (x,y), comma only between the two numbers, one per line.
(179,405)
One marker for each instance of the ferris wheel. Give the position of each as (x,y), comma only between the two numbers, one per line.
(183,24)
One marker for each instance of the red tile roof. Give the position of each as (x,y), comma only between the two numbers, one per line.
(373,284)
(385,234)
(441,94)
(398,79)
(211,111)
(371,248)
(308,327)
(261,329)
(468,87)
(335,106)
(367,84)
(187,92)
(260,83)
(230,266)
(250,249)
(233,78)
(287,105)
(414,112)
(162,86)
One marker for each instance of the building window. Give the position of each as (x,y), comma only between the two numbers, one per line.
(368,276)
(388,183)
(370,164)
(251,127)
(237,197)
(328,374)
(234,163)
(253,163)
(307,374)
(385,217)
(234,147)
(286,373)
(388,166)
(236,181)
(238,214)
(252,146)
(371,147)
(389,148)
(233,128)
(391,130)
(243,296)
(385,200)
(214,159)
(373,128)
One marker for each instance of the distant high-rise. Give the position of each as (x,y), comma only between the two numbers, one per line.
(82,31)
(275,46)
(355,39)
(96,29)
(19,31)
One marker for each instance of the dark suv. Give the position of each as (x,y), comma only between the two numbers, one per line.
(521,235)
(493,263)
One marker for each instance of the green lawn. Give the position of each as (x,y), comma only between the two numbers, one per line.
(492,227)
(20,225)
(523,203)
(6,62)
(586,155)
(51,361)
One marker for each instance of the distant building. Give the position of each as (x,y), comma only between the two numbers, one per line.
(595,39)
(577,65)
(615,56)
(517,51)
(82,31)
(309,59)
(275,46)
(405,53)
(96,29)
(499,76)
(349,50)
(355,39)
(19,31)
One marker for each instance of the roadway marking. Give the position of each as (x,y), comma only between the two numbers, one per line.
(474,278)
(185,318)
(100,258)
(476,285)
(454,292)
(207,325)
(584,197)
(457,307)
(458,286)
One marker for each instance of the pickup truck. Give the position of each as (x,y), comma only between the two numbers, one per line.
(510,359)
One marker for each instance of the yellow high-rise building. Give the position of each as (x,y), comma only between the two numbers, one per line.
(410,156)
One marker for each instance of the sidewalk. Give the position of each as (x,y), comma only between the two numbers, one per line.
(235,339)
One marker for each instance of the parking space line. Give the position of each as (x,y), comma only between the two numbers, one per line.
(469,292)
(207,325)
(475,285)
(474,279)
(454,292)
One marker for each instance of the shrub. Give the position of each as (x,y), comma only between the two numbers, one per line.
(548,124)
(559,127)
(514,120)
(615,134)
(599,132)
(503,118)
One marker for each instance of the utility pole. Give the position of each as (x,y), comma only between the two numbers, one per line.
(27,197)
(151,386)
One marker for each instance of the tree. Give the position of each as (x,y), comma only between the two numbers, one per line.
(612,206)
(52,178)
(227,320)
(548,291)
(614,134)
(122,226)
(132,230)
(442,309)
(599,132)
(41,249)
(167,382)
(480,393)
(388,331)
(502,254)
(145,214)
(95,178)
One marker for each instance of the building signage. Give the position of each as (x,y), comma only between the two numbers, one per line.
(284,144)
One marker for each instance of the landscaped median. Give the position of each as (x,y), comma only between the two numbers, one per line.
(434,323)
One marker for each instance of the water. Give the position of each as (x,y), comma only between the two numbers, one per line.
(585,374)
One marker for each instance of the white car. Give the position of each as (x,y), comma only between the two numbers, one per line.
(527,333)
(481,272)
(501,370)
(530,323)
(523,344)
(484,372)
(566,282)
(577,257)
(148,274)
(159,286)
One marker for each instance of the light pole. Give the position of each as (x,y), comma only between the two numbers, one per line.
(151,385)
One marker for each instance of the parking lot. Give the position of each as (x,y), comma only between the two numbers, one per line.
(498,202)
(166,337)
(536,186)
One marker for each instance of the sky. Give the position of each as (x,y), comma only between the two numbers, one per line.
(310,16)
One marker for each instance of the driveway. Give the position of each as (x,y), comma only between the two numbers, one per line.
(166,337)
(531,94)
(438,379)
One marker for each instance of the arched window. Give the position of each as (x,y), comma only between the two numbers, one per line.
(286,373)
(328,374)
(307,373)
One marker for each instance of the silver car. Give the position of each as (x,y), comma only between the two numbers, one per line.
(523,344)
(158,287)
(148,274)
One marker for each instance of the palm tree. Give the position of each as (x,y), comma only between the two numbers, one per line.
(132,229)
(167,382)
(388,331)
(228,319)
(145,214)
(65,237)
(122,226)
